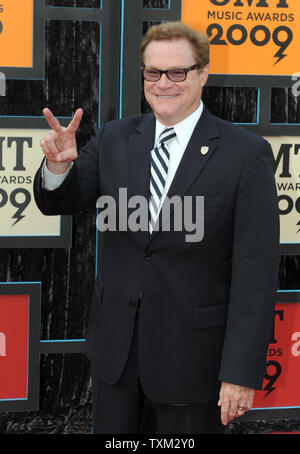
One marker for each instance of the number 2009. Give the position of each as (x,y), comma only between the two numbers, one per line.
(282,43)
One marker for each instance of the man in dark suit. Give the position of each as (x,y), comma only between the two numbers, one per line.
(180,325)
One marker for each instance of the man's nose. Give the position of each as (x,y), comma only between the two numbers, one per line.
(164,82)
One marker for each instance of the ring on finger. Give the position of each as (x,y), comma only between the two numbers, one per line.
(241,408)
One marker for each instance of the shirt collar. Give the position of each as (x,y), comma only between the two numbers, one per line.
(184,128)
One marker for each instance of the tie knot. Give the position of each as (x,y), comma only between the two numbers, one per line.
(166,135)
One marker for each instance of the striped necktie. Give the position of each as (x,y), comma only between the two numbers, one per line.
(160,159)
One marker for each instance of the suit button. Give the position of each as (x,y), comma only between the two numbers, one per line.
(148,256)
(132,304)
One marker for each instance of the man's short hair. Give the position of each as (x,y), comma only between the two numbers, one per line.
(178,30)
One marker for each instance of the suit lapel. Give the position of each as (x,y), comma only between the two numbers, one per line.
(193,160)
(139,151)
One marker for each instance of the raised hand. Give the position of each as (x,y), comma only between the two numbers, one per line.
(59,146)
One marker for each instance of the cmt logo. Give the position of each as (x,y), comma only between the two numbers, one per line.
(2,344)
(14,350)
(259,35)
(285,163)
(2,83)
(19,197)
(295,350)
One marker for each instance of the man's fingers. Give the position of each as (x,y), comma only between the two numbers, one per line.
(49,146)
(75,122)
(44,147)
(241,409)
(66,156)
(51,120)
(60,144)
(224,412)
(54,155)
(49,150)
(56,126)
(232,411)
(234,400)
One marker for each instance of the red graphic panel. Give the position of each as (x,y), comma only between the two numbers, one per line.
(14,323)
(281,386)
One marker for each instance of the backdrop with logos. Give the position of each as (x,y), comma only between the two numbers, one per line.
(66,54)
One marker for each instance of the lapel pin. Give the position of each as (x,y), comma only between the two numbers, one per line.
(204,150)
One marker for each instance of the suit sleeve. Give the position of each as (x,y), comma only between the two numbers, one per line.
(255,265)
(81,187)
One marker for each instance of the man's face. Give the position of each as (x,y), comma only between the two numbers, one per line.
(171,101)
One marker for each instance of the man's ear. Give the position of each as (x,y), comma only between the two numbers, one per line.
(204,75)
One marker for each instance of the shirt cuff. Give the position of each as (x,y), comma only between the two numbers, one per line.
(51,181)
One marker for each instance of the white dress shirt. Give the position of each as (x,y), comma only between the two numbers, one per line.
(177,146)
(51,181)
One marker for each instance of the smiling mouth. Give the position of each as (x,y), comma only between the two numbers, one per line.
(166,97)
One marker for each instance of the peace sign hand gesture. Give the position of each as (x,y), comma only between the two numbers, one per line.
(59,146)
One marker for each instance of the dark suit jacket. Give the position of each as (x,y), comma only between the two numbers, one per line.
(206,307)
